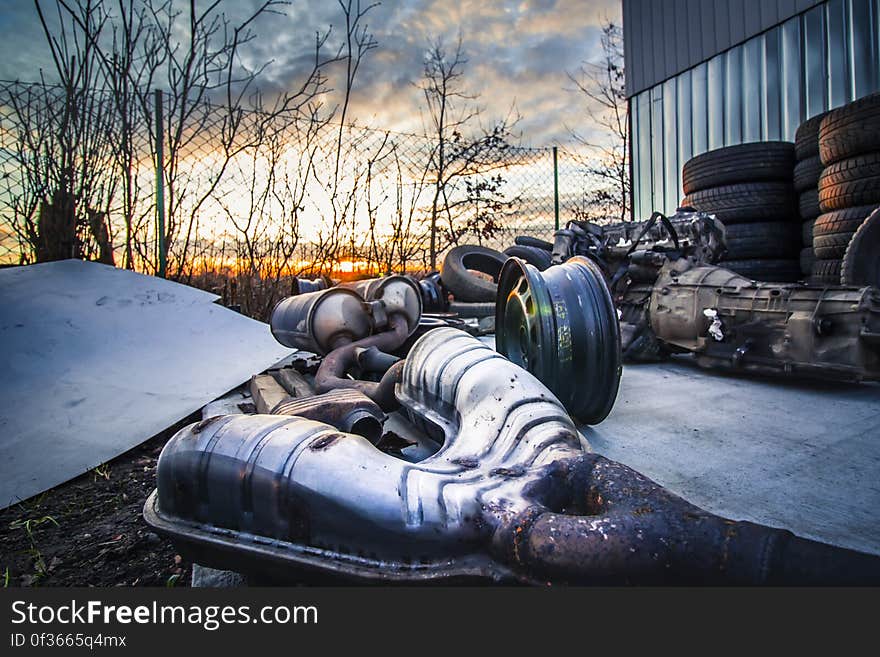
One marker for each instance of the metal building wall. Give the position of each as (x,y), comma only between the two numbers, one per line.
(759,90)
(664,37)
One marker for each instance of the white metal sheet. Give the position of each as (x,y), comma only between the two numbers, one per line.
(95,360)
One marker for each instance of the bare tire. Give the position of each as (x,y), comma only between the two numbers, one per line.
(485,309)
(808,204)
(831,247)
(526,240)
(807,232)
(806,139)
(532,255)
(850,130)
(776,239)
(826,272)
(743,163)
(806,260)
(851,182)
(778,271)
(861,261)
(841,221)
(457,273)
(806,174)
(833,231)
(746,202)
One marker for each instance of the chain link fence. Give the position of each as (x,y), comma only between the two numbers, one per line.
(272,194)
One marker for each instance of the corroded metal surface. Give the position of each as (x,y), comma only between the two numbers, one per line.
(298,481)
(735,323)
(331,374)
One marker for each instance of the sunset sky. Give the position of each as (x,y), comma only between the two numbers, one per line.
(519,54)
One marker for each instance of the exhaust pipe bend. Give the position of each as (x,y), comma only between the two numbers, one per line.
(511,493)
(331,373)
(621,527)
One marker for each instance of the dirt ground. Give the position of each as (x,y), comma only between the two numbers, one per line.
(90,532)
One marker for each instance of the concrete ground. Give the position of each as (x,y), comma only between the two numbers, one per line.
(804,456)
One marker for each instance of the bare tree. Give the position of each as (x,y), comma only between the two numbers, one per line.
(131,65)
(461,148)
(405,237)
(63,147)
(351,155)
(602,83)
(195,57)
(358,42)
(209,90)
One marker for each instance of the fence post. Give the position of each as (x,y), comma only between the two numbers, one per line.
(556,186)
(160,184)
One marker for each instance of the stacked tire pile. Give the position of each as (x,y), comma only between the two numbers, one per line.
(807,170)
(749,188)
(849,185)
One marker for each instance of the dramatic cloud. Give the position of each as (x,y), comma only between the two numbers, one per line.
(518,54)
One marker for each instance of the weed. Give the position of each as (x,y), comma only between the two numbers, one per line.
(33,551)
(102,471)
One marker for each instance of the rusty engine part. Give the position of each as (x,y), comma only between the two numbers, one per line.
(638,342)
(321,321)
(637,250)
(512,495)
(331,373)
(561,326)
(735,323)
(350,411)
(372,359)
(342,322)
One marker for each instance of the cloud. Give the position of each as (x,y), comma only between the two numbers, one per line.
(519,53)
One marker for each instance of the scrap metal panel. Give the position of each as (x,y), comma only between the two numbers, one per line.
(96,360)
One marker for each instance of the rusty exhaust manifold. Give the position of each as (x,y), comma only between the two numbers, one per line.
(512,495)
(331,374)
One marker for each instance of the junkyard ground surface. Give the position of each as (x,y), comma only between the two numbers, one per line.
(803,455)
(90,532)
(795,454)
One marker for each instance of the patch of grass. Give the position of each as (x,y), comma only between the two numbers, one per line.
(29,525)
(102,471)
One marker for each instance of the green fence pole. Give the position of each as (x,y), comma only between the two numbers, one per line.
(556,186)
(160,184)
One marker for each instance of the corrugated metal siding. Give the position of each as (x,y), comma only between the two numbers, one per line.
(759,90)
(665,37)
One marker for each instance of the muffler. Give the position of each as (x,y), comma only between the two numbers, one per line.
(322,321)
(400,295)
(304,285)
